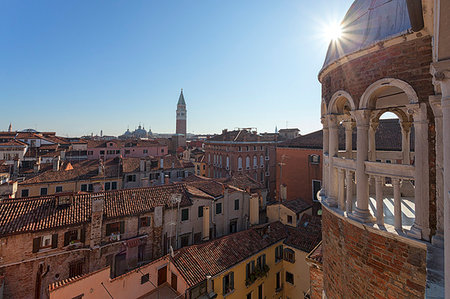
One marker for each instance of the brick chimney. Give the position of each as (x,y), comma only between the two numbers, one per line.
(205,223)
(254,209)
(96,220)
(56,163)
(101,168)
(16,166)
(166,180)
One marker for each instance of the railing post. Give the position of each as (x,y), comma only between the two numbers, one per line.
(379,198)
(406,133)
(397,204)
(348,124)
(349,185)
(341,193)
(372,146)
(332,152)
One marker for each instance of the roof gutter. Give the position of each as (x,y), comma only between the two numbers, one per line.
(415,14)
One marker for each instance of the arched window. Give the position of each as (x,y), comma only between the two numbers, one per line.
(240,163)
(255,162)
(220,162)
(261,161)
(228,162)
(209,158)
(247,162)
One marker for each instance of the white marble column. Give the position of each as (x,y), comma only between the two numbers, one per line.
(341,191)
(379,198)
(420,228)
(362,212)
(441,73)
(349,191)
(372,145)
(438,238)
(397,204)
(348,124)
(332,152)
(406,141)
(325,171)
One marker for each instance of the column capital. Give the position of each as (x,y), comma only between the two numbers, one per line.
(418,111)
(374,125)
(349,124)
(436,105)
(362,117)
(324,121)
(406,126)
(441,76)
(332,120)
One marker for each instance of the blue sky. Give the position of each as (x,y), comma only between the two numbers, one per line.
(77,67)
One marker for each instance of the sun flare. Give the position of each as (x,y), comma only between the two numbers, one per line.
(333,31)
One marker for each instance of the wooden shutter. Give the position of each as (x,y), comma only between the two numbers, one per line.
(54,240)
(66,238)
(223,285)
(232,280)
(83,235)
(122,227)
(36,244)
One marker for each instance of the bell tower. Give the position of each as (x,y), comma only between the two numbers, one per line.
(181,115)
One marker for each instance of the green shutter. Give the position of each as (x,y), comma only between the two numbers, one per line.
(54,240)
(36,244)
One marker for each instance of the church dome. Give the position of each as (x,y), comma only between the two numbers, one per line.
(366,23)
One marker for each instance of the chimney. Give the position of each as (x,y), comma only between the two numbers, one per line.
(209,288)
(37,167)
(62,154)
(96,220)
(145,182)
(142,165)
(224,131)
(101,168)
(283,192)
(205,223)
(254,209)
(166,179)
(16,166)
(56,163)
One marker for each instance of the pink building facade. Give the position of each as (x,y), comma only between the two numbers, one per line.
(115,148)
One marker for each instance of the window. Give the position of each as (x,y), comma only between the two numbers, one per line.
(228,162)
(314,159)
(249,269)
(236,204)
(260,291)
(73,236)
(90,153)
(58,189)
(76,269)
(289,219)
(115,228)
(47,241)
(219,208)
(185,239)
(240,149)
(200,211)
(25,193)
(162,151)
(278,253)
(261,261)
(278,282)
(117,151)
(102,152)
(127,152)
(184,214)
(233,226)
(249,295)
(144,221)
(90,187)
(240,163)
(289,255)
(145,278)
(107,186)
(145,151)
(113,185)
(141,253)
(261,161)
(289,277)
(255,162)
(228,283)
(247,162)
(131,178)
(43,191)
(180,174)
(316,186)
(83,187)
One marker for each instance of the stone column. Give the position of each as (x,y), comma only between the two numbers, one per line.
(438,238)
(332,152)
(348,124)
(397,204)
(325,170)
(406,137)
(349,191)
(341,192)
(441,73)
(420,228)
(362,212)
(372,146)
(379,197)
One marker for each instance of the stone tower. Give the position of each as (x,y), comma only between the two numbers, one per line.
(181,115)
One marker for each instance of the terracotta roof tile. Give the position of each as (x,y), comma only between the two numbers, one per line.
(296,205)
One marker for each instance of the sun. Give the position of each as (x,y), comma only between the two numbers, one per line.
(332,31)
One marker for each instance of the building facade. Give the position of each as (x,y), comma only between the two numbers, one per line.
(385,213)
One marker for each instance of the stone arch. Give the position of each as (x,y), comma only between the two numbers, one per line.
(338,99)
(402,115)
(411,94)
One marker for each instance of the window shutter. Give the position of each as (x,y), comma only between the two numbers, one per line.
(223,285)
(54,240)
(36,244)
(122,227)
(318,158)
(66,238)
(108,229)
(83,235)
(232,280)
(310,158)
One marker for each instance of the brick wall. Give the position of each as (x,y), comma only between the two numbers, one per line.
(316,282)
(358,263)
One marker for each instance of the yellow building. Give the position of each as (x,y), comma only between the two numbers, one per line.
(289,212)
(200,165)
